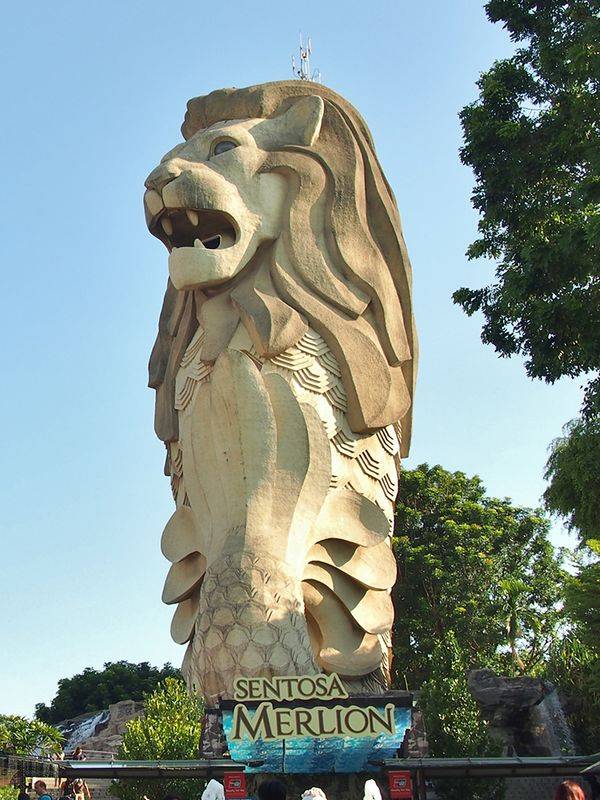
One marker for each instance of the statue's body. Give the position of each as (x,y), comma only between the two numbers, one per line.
(284,370)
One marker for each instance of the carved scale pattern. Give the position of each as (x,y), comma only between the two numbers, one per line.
(239,590)
(365,462)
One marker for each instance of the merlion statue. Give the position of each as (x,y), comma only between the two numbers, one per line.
(284,370)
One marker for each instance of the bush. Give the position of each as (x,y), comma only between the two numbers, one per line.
(455,727)
(21,736)
(169,729)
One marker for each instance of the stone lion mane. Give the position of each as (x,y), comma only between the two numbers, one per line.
(349,278)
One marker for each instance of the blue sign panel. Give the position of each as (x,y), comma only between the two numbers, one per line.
(309,754)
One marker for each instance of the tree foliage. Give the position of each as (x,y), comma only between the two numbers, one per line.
(574,668)
(574,474)
(475,565)
(455,727)
(532,140)
(93,690)
(574,494)
(20,736)
(170,729)
(582,598)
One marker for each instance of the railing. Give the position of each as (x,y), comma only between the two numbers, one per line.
(45,766)
(26,765)
(97,755)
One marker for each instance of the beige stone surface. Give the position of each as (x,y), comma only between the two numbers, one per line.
(284,370)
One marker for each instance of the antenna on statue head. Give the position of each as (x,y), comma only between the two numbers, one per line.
(302,71)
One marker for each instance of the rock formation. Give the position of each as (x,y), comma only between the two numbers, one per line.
(524,713)
(100,731)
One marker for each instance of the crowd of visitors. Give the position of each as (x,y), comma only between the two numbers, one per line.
(70,788)
(277,790)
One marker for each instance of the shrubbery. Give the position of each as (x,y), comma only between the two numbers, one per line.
(455,727)
(20,736)
(169,729)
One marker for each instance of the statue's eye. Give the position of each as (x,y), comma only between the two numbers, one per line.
(223,146)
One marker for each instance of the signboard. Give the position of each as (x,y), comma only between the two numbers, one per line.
(309,724)
(400,784)
(269,722)
(234,784)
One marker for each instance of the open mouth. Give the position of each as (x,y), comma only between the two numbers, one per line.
(186,227)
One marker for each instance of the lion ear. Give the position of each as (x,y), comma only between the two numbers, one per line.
(301,123)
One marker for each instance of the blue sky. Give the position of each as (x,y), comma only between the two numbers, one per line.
(93,94)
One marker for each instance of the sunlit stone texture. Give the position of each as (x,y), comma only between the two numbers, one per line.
(284,371)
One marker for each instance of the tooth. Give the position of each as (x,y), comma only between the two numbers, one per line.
(193,217)
(154,202)
(198,243)
(167,226)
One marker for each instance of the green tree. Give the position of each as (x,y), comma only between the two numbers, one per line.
(21,736)
(475,565)
(455,727)
(93,690)
(582,598)
(532,140)
(170,729)
(572,469)
(574,494)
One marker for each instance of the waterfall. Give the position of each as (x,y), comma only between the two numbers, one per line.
(550,717)
(79,729)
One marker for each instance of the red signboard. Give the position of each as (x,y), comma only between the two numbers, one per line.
(400,784)
(234,784)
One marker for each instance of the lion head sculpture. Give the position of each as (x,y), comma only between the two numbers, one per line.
(280,224)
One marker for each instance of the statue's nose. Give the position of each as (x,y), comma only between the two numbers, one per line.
(163,174)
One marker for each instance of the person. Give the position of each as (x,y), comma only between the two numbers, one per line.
(83,790)
(76,789)
(80,789)
(213,791)
(371,790)
(58,756)
(272,790)
(40,788)
(569,790)
(313,794)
